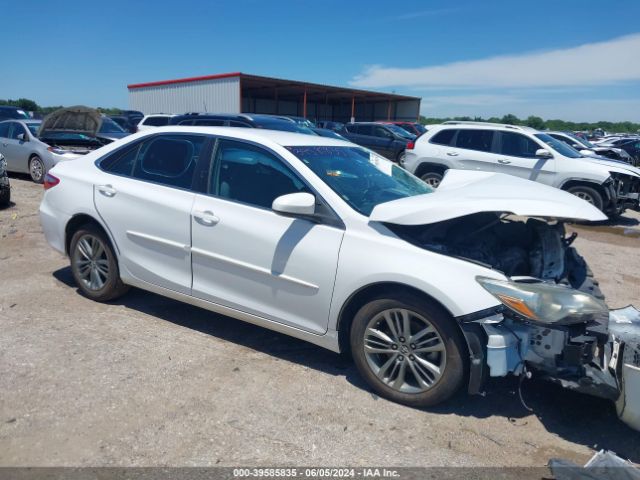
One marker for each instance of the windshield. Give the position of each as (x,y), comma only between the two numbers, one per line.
(420,127)
(560,147)
(109,126)
(581,141)
(400,131)
(33,128)
(362,178)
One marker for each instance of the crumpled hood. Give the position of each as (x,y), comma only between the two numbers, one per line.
(615,166)
(78,119)
(465,192)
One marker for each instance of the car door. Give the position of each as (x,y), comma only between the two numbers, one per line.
(517,156)
(144,195)
(472,150)
(4,137)
(247,257)
(385,141)
(15,149)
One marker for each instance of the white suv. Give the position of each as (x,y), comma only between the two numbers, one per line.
(527,153)
(155,120)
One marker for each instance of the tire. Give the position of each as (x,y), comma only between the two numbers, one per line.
(405,356)
(5,197)
(36,169)
(588,194)
(580,276)
(400,158)
(433,179)
(94,265)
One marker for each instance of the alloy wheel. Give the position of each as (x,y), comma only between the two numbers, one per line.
(36,169)
(585,196)
(91,262)
(404,350)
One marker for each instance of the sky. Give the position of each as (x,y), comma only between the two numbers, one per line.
(569,59)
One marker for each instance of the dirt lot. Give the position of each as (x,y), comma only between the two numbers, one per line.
(150,381)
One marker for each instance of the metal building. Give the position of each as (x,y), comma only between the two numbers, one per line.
(242,93)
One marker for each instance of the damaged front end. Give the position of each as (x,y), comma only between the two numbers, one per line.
(552,321)
(600,357)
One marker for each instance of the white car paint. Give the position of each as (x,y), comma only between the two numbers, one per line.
(464,192)
(147,122)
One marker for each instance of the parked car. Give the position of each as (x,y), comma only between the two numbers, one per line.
(527,153)
(7,112)
(34,147)
(589,149)
(124,123)
(632,147)
(153,121)
(330,125)
(246,120)
(413,128)
(5,187)
(325,241)
(303,122)
(325,132)
(383,139)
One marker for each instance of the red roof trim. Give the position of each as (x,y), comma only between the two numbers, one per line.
(184,80)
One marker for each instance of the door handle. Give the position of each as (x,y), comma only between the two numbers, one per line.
(107,190)
(503,161)
(453,154)
(206,218)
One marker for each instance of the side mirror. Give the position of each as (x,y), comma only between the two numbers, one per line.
(295,204)
(543,153)
(21,137)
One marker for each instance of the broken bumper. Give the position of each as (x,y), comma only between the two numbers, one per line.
(624,327)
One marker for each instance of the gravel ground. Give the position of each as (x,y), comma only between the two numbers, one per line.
(148,381)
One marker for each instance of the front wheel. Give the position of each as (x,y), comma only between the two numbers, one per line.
(36,169)
(408,350)
(432,179)
(590,195)
(94,265)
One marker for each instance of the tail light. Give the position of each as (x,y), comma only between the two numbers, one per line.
(50,181)
(411,145)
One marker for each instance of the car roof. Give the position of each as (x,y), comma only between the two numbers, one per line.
(282,138)
(484,126)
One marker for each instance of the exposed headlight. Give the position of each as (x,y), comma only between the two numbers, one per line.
(545,302)
(58,151)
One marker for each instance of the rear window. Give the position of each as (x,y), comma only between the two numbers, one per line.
(475,140)
(157,121)
(444,137)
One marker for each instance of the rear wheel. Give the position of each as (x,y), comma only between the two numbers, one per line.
(433,179)
(588,194)
(36,169)
(408,350)
(94,265)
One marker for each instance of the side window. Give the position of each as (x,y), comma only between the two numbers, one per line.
(443,137)
(169,159)
(15,130)
(351,128)
(234,123)
(365,130)
(252,175)
(4,129)
(381,132)
(517,145)
(209,123)
(121,162)
(475,140)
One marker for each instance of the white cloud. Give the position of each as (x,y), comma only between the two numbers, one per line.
(602,63)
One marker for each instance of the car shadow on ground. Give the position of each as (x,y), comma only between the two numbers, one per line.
(577,418)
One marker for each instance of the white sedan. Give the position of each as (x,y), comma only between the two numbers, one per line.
(328,242)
